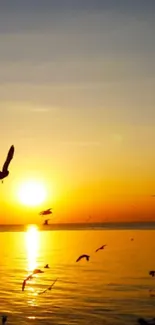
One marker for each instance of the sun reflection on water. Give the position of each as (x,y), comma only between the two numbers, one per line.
(32,246)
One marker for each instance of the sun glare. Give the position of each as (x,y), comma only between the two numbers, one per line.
(32,246)
(32,193)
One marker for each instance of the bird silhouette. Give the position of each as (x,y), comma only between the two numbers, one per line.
(46,222)
(152,273)
(45,212)
(4,319)
(4,173)
(49,288)
(102,247)
(83,256)
(30,277)
(46,266)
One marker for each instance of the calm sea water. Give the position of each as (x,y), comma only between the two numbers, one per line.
(112,288)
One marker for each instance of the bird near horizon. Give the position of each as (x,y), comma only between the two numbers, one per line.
(46,266)
(152,273)
(36,271)
(100,248)
(49,288)
(45,212)
(46,222)
(83,256)
(4,173)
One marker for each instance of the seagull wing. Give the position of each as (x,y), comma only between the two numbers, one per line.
(79,258)
(23,285)
(49,288)
(52,284)
(8,159)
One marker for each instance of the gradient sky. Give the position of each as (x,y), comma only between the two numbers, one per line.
(77,99)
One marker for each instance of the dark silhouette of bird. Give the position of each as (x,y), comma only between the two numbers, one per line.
(25,281)
(152,273)
(4,319)
(83,256)
(45,212)
(30,277)
(4,173)
(46,266)
(102,247)
(46,222)
(132,239)
(49,288)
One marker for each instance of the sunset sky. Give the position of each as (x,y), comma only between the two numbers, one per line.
(77,100)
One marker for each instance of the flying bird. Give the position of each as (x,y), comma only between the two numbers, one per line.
(102,247)
(30,277)
(49,288)
(45,212)
(46,266)
(4,173)
(83,256)
(152,273)
(4,319)
(46,222)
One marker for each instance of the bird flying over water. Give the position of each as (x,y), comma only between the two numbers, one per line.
(45,212)
(30,277)
(102,247)
(49,288)
(46,266)
(152,273)
(46,222)
(4,173)
(83,256)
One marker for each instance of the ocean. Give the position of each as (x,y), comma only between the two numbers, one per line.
(112,288)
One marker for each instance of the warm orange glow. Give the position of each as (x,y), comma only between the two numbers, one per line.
(32,246)
(32,193)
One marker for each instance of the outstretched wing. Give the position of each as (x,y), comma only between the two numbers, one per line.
(8,159)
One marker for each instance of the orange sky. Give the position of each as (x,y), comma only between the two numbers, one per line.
(77,101)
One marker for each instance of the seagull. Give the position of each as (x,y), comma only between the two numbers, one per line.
(24,282)
(49,288)
(152,273)
(102,247)
(45,212)
(46,222)
(4,319)
(4,173)
(83,256)
(46,266)
(30,277)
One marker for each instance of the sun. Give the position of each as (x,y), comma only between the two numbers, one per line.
(32,193)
